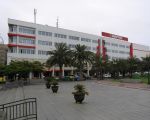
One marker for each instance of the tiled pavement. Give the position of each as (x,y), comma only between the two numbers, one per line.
(104,102)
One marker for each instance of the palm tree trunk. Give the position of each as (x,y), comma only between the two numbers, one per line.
(148,77)
(60,72)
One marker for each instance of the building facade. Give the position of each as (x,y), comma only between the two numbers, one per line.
(30,41)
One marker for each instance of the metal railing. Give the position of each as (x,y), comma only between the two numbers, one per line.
(20,110)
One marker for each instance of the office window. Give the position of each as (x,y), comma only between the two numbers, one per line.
(13,39)
(26,30)
(114,51)
(85,39)
(108,50)
(94,48)
(74,38)
(113,44)
(26,40)
(41,42)
(12,28)
(60,35)
(121,52)
(26,51)
(44,33)
(107,43)
(122,46)
(41,52)
(12,50)
(95,41)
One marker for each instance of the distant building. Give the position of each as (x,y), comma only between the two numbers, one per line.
(30,41)
(3,54)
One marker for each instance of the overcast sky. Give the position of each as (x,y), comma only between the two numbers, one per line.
(129,18)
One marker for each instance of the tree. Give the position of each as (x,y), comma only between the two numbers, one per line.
(37,67)
(146,65)
(21,69)
(132,65)
(2,69)
(122,65)
(60,56)
(100,66)
(81,57)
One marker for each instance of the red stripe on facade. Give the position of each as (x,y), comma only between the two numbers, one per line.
(11,45)
(20,35)
(24,46)
(114,36)
(104,50)
(131,50)
(98,49)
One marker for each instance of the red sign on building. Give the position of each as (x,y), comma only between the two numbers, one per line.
(105,34)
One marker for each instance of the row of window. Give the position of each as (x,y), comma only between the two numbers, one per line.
(44,33)
(116,51)
(26,51)
(26,40)
(60,35)
(42,52)
(115,45)
(12,50)
(74,38)
(65,36)
(26,30)
(41,42)
(85,39)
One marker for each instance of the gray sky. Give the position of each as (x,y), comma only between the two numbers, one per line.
(129,18)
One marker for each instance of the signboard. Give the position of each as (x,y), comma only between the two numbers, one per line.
(105,34)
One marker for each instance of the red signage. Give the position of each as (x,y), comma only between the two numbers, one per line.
(114,36)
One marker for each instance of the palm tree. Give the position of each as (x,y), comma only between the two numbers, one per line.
(146,65)
(60,56)
(81,57)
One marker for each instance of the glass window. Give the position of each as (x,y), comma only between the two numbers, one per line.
(60,35)
(122,46)
(74,38)
(94,41)
(26,51)
(115,45)
(26,40)
(85,39)
(26,30)
(13,28)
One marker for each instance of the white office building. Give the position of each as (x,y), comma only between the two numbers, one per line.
(30,41)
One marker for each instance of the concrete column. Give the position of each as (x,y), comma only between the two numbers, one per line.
(53,71)
(71,70)
(63,71)
(30,75)
(42,76)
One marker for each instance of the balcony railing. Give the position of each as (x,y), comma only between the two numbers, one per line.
(20,110)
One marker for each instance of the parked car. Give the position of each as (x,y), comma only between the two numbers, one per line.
(107,75)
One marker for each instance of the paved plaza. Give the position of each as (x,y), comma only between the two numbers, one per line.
(104,102)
